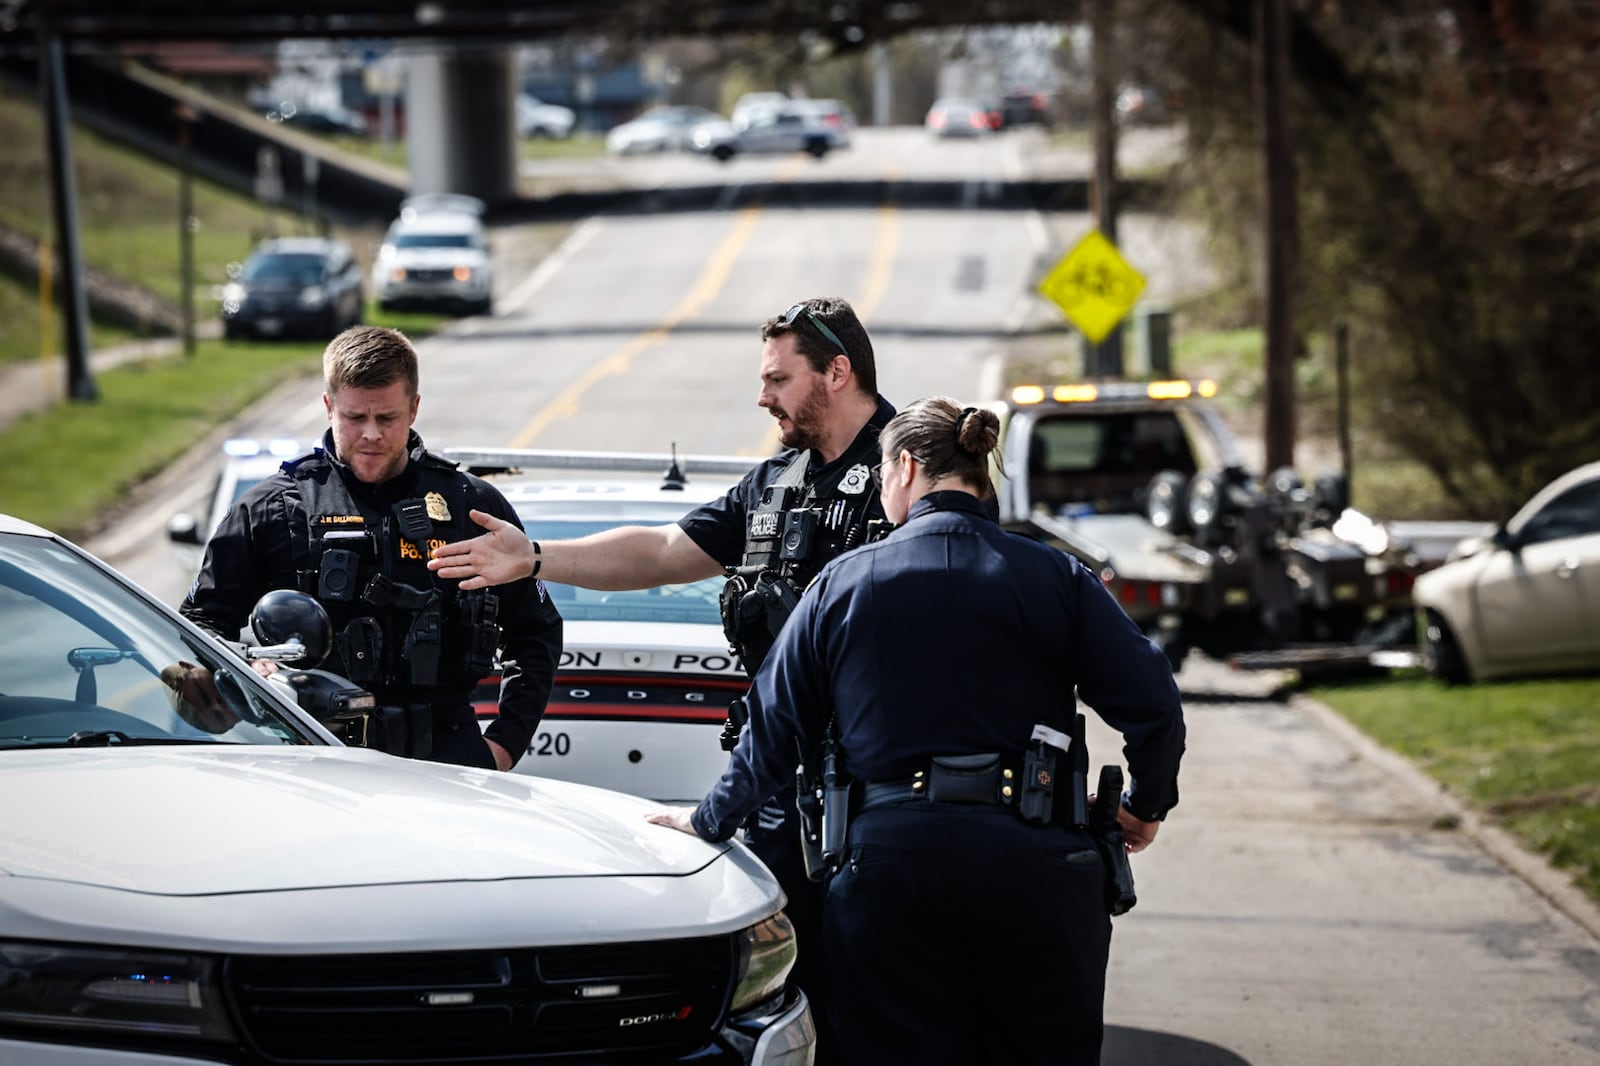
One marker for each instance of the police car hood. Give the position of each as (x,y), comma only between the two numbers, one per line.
(197,821)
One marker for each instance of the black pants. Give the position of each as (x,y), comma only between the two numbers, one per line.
(960,934)
(779,849)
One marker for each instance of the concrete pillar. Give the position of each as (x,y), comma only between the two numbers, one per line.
(461,131)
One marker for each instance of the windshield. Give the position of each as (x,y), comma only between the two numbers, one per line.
(694,603)
(294,269)
(433,240)
(85,662)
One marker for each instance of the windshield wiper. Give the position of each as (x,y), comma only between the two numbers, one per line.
(107,738)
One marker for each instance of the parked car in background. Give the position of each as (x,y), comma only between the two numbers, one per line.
(1145,105)
(1524,600)
(833,115)
(193,869)
(779,130)
(293,286)
(645,676)
(749,104)
(332,119)
(953,116)
(660,129)
(1020,107)
(436,254)
(535,118)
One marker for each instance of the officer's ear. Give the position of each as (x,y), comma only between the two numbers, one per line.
(839,370)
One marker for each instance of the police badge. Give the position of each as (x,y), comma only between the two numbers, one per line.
(437,510)
(855,480)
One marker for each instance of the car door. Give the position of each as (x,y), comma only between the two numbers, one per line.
(1539,598)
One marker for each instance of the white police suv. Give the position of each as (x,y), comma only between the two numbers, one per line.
(193,870)
(645,676)
(436,254)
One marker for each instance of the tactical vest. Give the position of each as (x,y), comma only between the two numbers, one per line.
(398,629)
(795,529)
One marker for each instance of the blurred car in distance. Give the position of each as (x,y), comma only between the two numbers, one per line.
(833,115)
(246,463)
(1021,107)
(1144,105)
(535,118)
(1526,599)
(293,287)
(194,869)
(436,254)
(660,129)
(329,119)
(747,105)
(770,131)
(645,676)
(954,116)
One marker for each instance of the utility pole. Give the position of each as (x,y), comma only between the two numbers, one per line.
(187,116)
(1280,225)
(63,196)
(1105,358)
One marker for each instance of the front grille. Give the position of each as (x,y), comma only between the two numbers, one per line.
(644,1001)
(430,274)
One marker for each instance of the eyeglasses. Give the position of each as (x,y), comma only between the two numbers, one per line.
(876,473)
(801,309)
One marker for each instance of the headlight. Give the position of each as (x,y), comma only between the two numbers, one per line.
(315,296)
(766,955)
(1204,500)
(233,293)
(1164,504)
(65,987)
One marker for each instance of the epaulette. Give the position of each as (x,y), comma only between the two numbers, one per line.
(315,455)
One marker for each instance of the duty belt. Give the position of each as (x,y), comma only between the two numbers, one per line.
(976,779)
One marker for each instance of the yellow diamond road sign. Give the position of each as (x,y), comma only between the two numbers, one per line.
(1094,286)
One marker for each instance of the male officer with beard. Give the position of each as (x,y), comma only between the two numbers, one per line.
(769,536)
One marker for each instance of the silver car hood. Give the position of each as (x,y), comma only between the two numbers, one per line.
(282,849)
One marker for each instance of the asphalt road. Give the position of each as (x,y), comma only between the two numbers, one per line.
(1309,902)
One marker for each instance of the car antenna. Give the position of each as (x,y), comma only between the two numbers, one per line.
(673,480)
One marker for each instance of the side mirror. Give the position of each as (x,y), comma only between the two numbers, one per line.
(183,529)
(1503,540)
(293,628)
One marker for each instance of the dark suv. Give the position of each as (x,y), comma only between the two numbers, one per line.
(1022,108)
(293,286)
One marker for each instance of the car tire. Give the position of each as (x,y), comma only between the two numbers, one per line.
(818,148)
(722,153)
(484,306)
(1442,654)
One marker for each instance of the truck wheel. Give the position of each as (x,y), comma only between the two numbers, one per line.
(1443,655)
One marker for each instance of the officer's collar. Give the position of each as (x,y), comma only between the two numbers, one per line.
(948,500)
(415,451)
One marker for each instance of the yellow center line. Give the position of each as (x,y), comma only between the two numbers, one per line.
(879,270)
(711,280)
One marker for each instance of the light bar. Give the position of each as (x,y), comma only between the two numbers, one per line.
(1083,392)
(1075,393)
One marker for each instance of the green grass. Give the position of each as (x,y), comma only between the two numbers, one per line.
(148,414)
(20,319)
(1526,753)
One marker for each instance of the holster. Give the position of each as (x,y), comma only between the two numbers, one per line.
(1107,834)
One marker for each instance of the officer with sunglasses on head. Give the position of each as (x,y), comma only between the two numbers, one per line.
(770,535)
(970,911)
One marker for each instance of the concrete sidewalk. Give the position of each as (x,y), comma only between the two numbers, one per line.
(36,384)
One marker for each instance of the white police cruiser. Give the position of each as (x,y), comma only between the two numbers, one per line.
(194,871)
(645,677)
(246,463)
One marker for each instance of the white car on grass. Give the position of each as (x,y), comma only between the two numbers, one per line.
(217,880)
(1524,600)
(645,677)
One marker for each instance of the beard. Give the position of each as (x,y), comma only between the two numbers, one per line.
(806,421)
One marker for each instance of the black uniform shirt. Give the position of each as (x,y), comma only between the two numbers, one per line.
(251,553)
(719,527)
(950,637)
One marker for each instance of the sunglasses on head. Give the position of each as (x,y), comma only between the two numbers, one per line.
(822,327)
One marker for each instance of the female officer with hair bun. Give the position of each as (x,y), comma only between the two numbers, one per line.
(960,925)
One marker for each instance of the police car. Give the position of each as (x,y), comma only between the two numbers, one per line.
(194,870)
(436,253)
(246,463)
(645,677)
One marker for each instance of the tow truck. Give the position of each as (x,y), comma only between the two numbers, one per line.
(1144,482)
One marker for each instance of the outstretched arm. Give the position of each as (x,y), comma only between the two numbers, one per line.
(627,557)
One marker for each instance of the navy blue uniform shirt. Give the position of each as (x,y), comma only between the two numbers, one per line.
(950,637)
(719,527)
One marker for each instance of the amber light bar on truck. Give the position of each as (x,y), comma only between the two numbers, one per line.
(1133,390)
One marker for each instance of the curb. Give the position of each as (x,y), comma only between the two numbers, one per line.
(1556,886)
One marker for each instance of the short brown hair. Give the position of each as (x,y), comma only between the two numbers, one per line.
(369,357)
(818,350)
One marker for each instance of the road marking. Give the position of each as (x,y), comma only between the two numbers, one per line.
(879,271)
(551,266)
